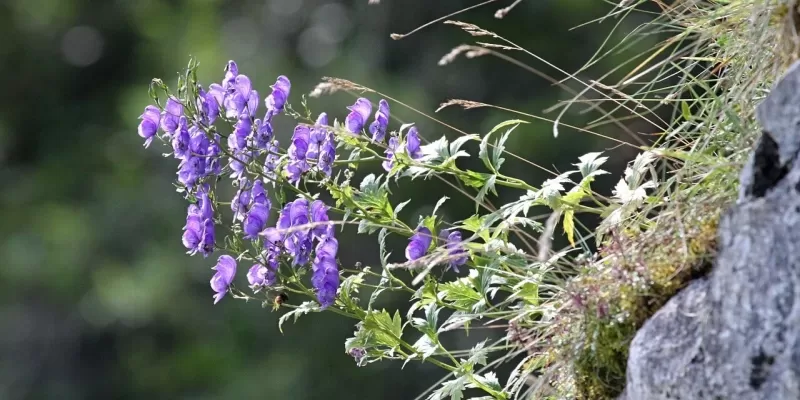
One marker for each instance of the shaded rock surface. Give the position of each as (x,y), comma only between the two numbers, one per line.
(736,333)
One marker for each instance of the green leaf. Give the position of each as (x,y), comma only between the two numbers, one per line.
(461,294)
(474,179)
(488,186)
(425,346)
(478,355)
(304,308)
(439,204)
(569,226)
(685,111)
(529,292)
(387,329)
(483,153)
(454,389)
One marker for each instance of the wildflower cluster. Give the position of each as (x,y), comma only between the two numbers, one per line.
(192,123)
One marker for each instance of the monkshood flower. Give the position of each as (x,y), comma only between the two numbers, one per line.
(319,215)
(198,234)
(298,165)
(260,276)
(263,134)
(181,140)
(418,244)
(149,125)
(239,163)
(271,162)
(457,254)
(256,220)
(222,279)
(413,143)
(171,115)
(208,106)
(390,149)
(359,114)
(213,163)
(241,200)
(241,130)
(327,155)
(292,223)
(378,127)
(240,98)
(231,72)
(325,272)
(277,99)
(317,135)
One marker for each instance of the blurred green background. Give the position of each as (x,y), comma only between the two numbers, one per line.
(98,299)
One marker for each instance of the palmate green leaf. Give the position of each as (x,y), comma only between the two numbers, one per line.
(386,329)
(304,308)
(425,347)
(460,294)
(478,224)
(478,355)
(453,389)
(589,163)
(483,153)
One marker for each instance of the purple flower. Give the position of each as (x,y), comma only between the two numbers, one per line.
(222,279)
(413,143)
(418,244)
(239,163)
(173,111)
(263,134)
(271,162)
(256,220)
(359,113)
(260,276)
(218,93)
(240,98)
(389,162)
(277,99)
(190,170)
(213,164)
(378,127)
(231,72)
(193,230)
(325,273)
(258,194)
(198,233)
(298,242)
(207,241)
(241,130)
(317,136)
(327,154)
(149,125)
(319,215)
(208,106)
(455,250)
(181,140)
(298,165)
(241,200)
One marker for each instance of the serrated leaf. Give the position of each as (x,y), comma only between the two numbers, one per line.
(454,389)
(400,207)
(304,308)
(589,163)
(488,186)
(425,346)
(569,226)
(478,354)
(386,329)
(461,294)
(499,148)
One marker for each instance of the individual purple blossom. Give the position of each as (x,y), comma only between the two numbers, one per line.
(260,276)
(297,164)
(240,98)
(293,222)
(457,254)
(198,234)
(327,155)
(241,200)
(149,125)
(231,72)
(276,101)
(319,216)
(193,230)
(263,134)
(256,220)
(190,170)
(237,140)
(271,161)
(171,115)
(222,279)
(390,149)
(239,163)
(325,272)
(213,163)
(418,244)
(317,135)
(208,106)
(359,113)
(181,140)
(413,143)
(258,194)
(378,127)
(218,93)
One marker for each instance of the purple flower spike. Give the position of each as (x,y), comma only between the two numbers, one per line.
(277,99)
(173,111)
(455,250)
(260,276)
(256,220)
(413,143)
(149,125)
(325,277)
(378,127)
(418,244)
(359,113)
(222,279)
(389,163)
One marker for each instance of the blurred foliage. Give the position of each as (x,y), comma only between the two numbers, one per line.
(98,299)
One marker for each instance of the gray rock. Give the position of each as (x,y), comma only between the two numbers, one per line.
(736,333)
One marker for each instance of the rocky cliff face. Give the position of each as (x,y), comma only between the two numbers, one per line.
(736,333)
